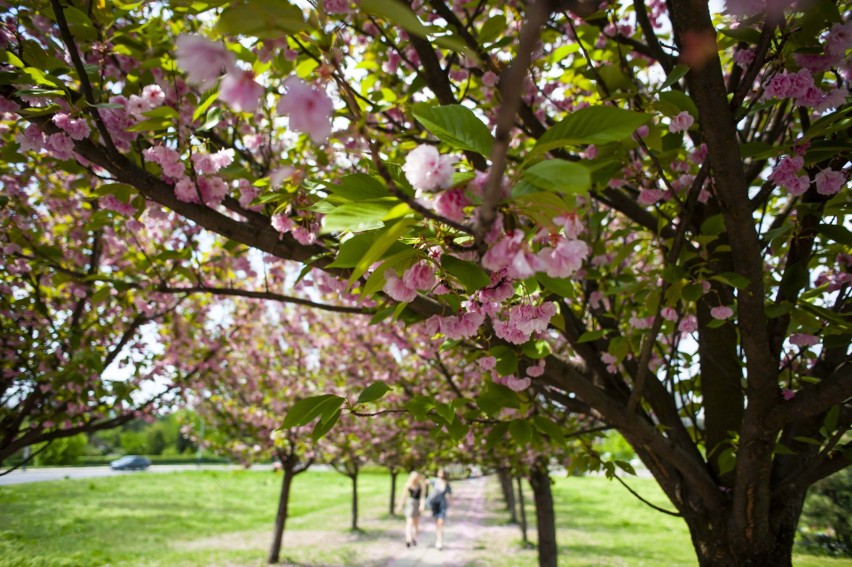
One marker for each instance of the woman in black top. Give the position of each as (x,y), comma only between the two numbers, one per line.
(414,503)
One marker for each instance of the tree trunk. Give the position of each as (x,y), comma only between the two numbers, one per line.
(354,477)
(281,518)
(545,519)
(718,541)
(523,512)
(393,473)
(508,493)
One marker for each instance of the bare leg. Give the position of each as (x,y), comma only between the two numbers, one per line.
(439,533)
(409,524)
(415,525)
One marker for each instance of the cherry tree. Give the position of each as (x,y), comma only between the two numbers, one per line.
(76,344)
(634,211)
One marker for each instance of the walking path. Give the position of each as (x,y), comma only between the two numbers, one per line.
(461,533)
(474,536)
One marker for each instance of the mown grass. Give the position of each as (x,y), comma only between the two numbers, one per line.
(146,519)
(599,523)
(225,518)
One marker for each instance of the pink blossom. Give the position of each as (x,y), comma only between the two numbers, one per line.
(186,191)
(722,312)
(643,131)
(7,105)
(396,289)
(681,123)
(650,196)
(570,223)
(30,138)
(451,203)
(490,79)
(833,99)
(788,394)
(112,203)
(427,170)
(282,223)
(153,95)
(304,236)
(60,145)
(669,314)
(487,362)
(536,370)
(744,57)
(512,253)
(240,91)
(498,293)
(420,276)
(516,384)
(213,190)
(565,259)
(461,326)
(688,324)
(337,6)
(202,59)
(610,361)
(839,38)
(803,339)
(77,128)
(785,174)
(829,182)
(309,109)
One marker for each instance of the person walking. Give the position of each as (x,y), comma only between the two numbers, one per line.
(415,500)
(439,501)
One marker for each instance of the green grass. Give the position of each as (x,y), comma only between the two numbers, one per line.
(600,524)
(225,518)
(143,519)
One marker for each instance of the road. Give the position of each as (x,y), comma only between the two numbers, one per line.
(58,473)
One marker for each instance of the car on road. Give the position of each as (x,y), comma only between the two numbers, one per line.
(130,463)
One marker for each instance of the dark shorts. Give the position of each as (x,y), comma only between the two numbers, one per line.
(439,510)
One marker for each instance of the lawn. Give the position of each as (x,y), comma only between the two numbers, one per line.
(599,523)
(225,518)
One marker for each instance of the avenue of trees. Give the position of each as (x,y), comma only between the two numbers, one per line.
(513,225)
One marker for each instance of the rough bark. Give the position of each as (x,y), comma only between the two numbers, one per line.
(545,520)
(281,517)
(508,493)
(523,511)
(354,478)
(393,474)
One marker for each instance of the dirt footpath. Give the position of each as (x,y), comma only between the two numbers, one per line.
(475,535)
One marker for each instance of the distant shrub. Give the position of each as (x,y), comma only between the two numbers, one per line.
(826,523)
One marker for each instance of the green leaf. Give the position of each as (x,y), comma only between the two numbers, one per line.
(563,287)
(358,187)
(457,429)
(382,244)
(732,279)
(536,349)
(356,247)
(677,74)
(692,292)
(456,126)
(549,428)
(559,176)
(507,360)
(520,431)
(497,434)
(713,225)
(268,19)
(150,125)
(590,336)
(396,13)
(680,102)
(592,125)
(358,216)
(373,392)
(727,460)
(469,274)
(202,108)
(307,409)
(625,466)
(837,233)
(323,426)
(619,347)
(494,397)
